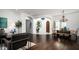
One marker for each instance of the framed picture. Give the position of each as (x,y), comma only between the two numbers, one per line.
(3,22)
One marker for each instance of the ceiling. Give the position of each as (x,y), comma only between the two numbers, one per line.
(44,12)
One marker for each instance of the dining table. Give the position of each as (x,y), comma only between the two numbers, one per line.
(62,34)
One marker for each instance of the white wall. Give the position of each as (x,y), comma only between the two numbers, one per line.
(12,17)
(23,19)
(73,20)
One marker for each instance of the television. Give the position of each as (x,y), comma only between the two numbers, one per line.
(3,22)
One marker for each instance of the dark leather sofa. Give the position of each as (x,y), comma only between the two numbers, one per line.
(17,41)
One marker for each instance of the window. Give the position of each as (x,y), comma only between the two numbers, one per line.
(63,24)
(59,25)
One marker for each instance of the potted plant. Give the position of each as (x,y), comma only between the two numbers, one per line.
(18,24)
(38,26)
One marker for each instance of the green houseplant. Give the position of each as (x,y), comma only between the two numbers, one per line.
(38,26)
(18,24)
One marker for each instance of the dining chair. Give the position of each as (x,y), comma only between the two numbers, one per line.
(74,34)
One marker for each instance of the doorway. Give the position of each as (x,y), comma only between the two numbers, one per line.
(28,26)
(47,27)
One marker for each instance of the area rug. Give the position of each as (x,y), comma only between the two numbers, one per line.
(27,46)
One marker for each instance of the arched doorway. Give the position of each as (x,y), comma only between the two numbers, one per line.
(48,26)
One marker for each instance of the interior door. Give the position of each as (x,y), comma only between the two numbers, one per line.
(28,26)
(47,26)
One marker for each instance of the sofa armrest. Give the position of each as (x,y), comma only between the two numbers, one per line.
(7,43)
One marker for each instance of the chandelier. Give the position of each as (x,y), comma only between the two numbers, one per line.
(63,17)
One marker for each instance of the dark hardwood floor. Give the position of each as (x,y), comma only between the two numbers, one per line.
(47,42)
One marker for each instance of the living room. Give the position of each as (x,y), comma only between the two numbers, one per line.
(39,29)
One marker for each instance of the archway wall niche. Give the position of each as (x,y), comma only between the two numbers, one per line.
(42,28)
